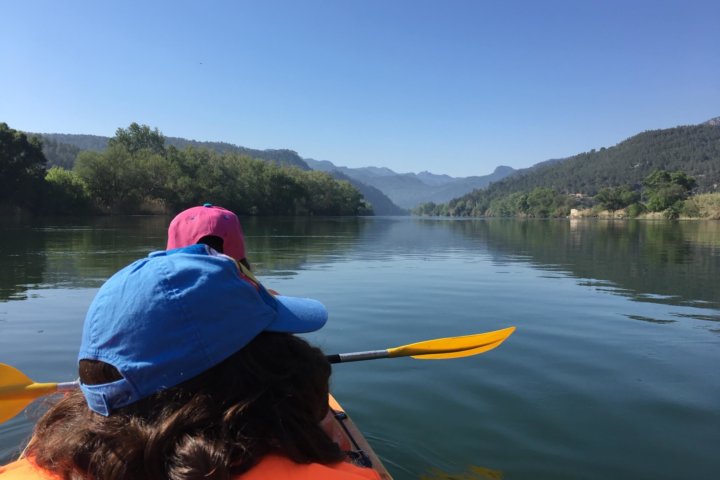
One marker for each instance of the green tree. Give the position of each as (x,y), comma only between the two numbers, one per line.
(615,198)
(156,175)
(663,189)
(139,137)
(541,202)
(328,196)
(22,167)
(66,193)
(429,208)
(112,178)
(509,205)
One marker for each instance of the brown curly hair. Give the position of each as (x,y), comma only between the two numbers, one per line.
(267,398)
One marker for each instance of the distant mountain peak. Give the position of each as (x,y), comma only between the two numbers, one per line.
(503,169)
(715,122)
(429,173)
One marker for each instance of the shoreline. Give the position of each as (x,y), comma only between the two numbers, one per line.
(589,213)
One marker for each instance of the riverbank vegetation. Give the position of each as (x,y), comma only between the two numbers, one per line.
(137,173)
(657,173)
(661,195)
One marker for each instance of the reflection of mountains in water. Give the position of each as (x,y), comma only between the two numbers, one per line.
(277,246)
(674,263)
(671,263)
(282,246)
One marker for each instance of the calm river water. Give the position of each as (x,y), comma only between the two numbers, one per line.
(613,372)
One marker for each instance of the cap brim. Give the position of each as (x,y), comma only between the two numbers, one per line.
(297,315)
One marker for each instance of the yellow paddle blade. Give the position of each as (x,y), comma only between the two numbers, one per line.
(452,347)
(10,408)
(460,353)
(17,391)
(11,376)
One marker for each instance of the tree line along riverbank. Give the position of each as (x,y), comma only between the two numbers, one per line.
(138,174)
(662,194)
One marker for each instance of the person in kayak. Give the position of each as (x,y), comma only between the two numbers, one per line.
(212,225)
(220,229)
(189,372)
(215,227)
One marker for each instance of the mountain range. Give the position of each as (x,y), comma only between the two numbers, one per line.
(409,190)
(694,149)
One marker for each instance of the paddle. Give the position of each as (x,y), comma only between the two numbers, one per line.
(17,390)
(437,349)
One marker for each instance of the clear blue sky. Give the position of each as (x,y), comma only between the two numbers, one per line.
(449,86)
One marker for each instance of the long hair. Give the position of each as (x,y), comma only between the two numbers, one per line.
(267,398)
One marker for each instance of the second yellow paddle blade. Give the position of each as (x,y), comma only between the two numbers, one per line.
(12,381)
(10,408)
(17,391)
(453,347)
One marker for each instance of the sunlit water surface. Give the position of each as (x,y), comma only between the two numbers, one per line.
(613,372)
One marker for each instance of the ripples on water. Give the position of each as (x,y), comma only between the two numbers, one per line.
(611,373)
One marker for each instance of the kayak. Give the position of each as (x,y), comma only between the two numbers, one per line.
(361,453)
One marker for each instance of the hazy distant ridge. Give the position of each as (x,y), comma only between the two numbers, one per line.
(410,189)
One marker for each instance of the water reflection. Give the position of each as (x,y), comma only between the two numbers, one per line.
(82,253)
(584,360)
(23,262)
(72,253)
(281,246)
(672,263)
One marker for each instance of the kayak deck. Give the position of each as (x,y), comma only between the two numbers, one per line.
(361,453)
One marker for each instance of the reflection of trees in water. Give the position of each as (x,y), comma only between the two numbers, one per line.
(85,253)
(73,253)
(82,253)
(661,262)
(23,262)
(667,262)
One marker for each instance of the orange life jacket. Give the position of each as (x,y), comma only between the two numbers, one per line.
(24,469)
(275,467)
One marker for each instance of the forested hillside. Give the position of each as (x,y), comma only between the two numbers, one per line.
(381,204)
(59,149)
(694,150)
(62,149)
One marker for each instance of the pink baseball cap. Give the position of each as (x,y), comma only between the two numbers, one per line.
(192,224)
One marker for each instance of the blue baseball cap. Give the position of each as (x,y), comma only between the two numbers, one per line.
(166,318)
